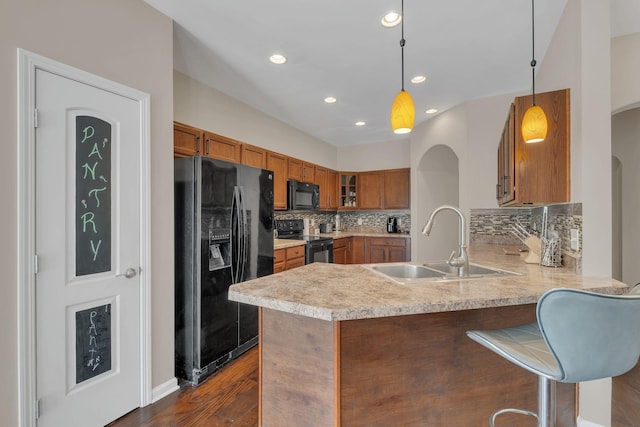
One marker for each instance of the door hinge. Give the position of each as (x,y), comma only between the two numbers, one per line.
(35,264)
(37,409)
(35,117)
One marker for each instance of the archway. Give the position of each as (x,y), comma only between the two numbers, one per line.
(625,149)
(437,184)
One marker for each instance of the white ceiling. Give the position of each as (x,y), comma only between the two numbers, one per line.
(467,48)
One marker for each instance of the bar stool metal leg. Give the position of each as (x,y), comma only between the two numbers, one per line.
(546,415)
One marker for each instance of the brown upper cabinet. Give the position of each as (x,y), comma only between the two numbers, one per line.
(220,147)
(348,190)
(253,156)
(370,188)
(300,170)
(536,173)
(278,164)
(186,140)
(385,189)
(327,181)
(396,188)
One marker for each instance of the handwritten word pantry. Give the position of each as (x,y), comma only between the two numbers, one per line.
(93,195)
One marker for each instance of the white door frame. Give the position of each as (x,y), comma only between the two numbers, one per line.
(27,64)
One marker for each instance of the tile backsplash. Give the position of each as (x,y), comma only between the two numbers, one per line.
(495,226)
(364,221)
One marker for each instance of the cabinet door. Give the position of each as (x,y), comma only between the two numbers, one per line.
(348,189)
(321,181)
(377,254)
(308,172)
(254,156)
(221,147)
(279,259)
(357,251)
(278,164)
(397,254)
(370,188)
(186,140)
(294,169)
(340,250)
(542,170)
(396,189)
(505,188)
(332,189)
(340,255)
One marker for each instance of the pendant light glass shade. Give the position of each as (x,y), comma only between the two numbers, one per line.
(403,113)
(534,125)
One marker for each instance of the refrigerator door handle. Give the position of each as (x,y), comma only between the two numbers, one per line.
(235,235)
(243,237)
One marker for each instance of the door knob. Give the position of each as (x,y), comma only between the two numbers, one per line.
(131,272)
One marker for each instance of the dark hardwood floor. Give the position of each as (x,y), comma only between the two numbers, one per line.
(228,398)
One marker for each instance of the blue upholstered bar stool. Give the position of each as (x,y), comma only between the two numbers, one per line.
(579,336)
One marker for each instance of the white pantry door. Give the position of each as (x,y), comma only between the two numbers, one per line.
(87,228)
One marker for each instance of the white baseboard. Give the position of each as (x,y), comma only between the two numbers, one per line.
(585,423)
(164,390)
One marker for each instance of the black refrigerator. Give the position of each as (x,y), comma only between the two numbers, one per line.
(223,235)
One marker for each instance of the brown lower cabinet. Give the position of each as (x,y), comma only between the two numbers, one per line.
(369,250)
(340,250)
(288,258)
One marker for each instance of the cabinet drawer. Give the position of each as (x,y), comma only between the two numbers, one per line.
(296,262)
(340,243)
(278,256)
(387,241)
(295,252)
(278,267)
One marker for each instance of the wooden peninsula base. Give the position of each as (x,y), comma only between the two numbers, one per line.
(414,370)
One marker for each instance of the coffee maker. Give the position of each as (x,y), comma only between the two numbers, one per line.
(392,225)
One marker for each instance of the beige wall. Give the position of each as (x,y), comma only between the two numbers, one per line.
(122,40)
(375,156)
(625,69)
(199,105)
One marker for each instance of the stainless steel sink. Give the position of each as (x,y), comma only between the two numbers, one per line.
(474,269)
(407,271)
(435,271)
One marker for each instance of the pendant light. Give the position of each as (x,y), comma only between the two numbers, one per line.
(534,122)
(403,113)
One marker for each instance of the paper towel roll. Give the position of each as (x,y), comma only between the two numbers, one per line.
(305,225)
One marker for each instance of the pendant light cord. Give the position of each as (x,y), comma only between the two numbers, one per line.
(402,41)
(533,51)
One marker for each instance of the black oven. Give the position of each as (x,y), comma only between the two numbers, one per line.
(317,248)
(302,196)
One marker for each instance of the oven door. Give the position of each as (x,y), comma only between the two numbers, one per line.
(319,251)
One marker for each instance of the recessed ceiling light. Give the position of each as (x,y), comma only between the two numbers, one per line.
(431,111)
(360,123)
(391,19)
(330,100)
(277,59)
(418,79)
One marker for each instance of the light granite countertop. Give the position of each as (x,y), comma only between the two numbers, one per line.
(287,243)
(348,292)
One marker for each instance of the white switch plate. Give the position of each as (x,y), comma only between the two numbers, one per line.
(359,221)
(575,239)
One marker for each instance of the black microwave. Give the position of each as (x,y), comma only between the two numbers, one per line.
(302,196)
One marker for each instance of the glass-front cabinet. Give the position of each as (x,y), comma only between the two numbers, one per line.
(348,189)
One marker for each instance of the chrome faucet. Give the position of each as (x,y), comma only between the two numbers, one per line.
(462,260)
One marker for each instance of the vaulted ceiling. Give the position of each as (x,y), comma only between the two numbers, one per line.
(467,49)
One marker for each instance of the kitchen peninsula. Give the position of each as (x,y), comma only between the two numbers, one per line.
(341,345)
